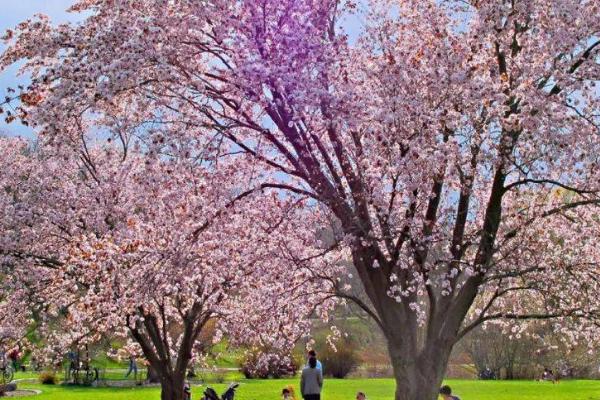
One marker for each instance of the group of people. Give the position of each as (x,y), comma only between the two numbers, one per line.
(311,383)
(549,375)
(288,394)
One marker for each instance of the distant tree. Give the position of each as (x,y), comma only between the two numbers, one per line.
(494,350)
(119,242)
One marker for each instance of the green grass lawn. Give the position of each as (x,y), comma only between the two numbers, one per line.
(376,389)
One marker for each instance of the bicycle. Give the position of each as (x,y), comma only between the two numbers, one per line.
(81,372)
(85,375)
(7,373)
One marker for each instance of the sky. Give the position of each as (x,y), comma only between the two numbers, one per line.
(13,12)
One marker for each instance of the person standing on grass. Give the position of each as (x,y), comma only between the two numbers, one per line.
(14,356)
(132,367)
(312,353)
(311,381)
(3,359)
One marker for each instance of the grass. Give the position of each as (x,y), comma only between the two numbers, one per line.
(376,389)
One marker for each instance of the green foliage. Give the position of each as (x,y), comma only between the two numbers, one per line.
(362,338)
(342,360)
(338,362)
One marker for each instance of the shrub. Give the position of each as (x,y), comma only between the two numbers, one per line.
(260,363)
(48,378)
(374,371)
(340,363)
(220,376)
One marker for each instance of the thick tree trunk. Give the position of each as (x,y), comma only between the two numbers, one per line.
(419,364)
(153,376)
(419,378)
(171,386)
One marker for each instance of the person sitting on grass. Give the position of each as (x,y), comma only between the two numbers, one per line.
(187,391)
(288,393)
(548,375)
(446,393)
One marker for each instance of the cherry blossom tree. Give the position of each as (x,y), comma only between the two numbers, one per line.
(152,248)
(454,142)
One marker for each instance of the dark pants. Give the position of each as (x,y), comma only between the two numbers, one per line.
(312,397)
(132,368)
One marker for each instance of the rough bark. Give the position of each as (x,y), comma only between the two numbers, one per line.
(153,376)
(171,386)
(419,379)
(419,368)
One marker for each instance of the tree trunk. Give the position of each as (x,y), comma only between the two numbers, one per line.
(152,339)
(153,376)
(510,372)
(419,361)
(171,386)
(419,378)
